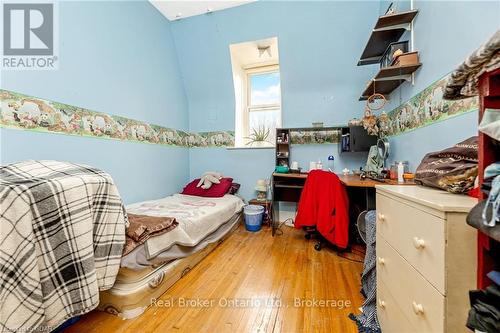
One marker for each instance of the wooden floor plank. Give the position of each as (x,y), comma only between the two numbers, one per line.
(252,268)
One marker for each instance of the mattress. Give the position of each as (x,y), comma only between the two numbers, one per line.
(134,290)
(198,217)
(137,262)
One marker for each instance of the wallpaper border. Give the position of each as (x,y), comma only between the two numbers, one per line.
(23,112)
(427,108)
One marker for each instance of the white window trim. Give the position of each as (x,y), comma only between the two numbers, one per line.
(272,68)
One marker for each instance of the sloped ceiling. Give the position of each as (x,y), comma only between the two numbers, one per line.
(175,10)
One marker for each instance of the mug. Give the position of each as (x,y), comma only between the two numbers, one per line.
(295,165)
(312,166)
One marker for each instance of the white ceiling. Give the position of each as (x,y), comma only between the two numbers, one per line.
(247,54)
(179,9)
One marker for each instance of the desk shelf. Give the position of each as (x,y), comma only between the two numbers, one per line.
(282,147)
(289,186)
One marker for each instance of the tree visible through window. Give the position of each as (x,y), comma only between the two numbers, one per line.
(263,104)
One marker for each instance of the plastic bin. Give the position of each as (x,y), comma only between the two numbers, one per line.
(253,217)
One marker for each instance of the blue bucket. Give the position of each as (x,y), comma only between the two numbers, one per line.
(253,217)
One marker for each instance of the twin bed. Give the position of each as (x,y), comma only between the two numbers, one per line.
(153,267)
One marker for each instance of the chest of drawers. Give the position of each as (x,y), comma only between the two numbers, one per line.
(426,259)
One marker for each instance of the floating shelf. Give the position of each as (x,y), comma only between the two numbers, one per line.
(316,129)
(388,29)
(388,79)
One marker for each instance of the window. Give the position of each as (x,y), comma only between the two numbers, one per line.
(257,92)
(263,110)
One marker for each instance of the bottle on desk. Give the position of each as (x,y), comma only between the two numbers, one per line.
(401,171)
(319,165)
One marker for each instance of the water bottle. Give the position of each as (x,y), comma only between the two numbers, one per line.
(401,171)
(330,163)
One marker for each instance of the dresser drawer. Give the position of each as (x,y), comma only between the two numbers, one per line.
(418,300)
(417,235)
(390,315)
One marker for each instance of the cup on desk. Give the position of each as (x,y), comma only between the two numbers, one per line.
(294,165)
(312,166)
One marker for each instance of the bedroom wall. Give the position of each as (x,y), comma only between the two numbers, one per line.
(118,58)
(445,34)
(319,48)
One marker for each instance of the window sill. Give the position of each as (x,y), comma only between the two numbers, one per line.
(245,148)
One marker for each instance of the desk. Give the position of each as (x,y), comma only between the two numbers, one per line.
(354,185)
(348,180)
(287,187)
(355,181)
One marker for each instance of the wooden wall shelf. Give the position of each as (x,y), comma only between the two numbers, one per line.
(388,29)
(388,79)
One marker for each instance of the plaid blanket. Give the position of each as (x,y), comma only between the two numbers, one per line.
(62,230)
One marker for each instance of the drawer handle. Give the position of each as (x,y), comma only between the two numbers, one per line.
(381,304)
(419,243)
(418,308)
(381,217)
(381,261)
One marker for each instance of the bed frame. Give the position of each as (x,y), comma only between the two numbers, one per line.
(134,291)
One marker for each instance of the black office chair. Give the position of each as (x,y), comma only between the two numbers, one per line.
(311,232)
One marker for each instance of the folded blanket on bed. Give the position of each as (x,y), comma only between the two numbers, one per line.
(197,217)
(142,227)
(62,230)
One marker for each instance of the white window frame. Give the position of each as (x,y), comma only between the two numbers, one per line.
(274,68)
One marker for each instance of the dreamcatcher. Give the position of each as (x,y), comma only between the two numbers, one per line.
(375,125)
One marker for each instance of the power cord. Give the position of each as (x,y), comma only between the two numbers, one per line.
(278,231)
(349,259)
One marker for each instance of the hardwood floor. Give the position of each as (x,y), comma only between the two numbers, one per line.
(250,268)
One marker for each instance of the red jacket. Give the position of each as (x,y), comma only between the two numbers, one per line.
(324,204)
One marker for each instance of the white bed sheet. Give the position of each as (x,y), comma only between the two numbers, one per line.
(197,217)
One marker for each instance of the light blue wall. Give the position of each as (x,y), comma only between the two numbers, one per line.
(118,58)
(446,32)
(248,165)
(244,165)
(319,45)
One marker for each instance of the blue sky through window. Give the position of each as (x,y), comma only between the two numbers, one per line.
(265,88)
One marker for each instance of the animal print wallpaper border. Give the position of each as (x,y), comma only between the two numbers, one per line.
(31,113)
(24,112)
(426,108)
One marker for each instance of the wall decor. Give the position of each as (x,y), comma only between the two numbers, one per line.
(30,113)
(211,139)
(426,108)
(24,112)
(314,137)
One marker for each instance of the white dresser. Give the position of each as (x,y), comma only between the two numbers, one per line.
(426,259)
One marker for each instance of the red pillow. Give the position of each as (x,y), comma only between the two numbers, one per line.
(215,191)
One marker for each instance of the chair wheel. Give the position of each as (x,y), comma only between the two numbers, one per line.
(317,247)
(308,236)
